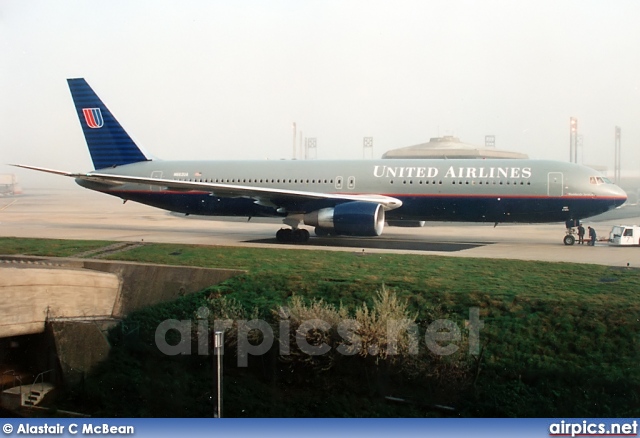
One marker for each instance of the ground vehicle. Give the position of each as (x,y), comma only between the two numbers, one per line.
(625,235)
(9,185)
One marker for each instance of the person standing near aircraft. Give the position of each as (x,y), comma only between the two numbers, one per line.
(592,236)
(580,234)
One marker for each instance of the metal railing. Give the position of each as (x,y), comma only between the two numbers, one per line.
(41,377)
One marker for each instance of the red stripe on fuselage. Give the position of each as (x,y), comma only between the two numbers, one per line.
(399,196)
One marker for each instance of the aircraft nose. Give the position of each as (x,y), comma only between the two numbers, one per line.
(619,195)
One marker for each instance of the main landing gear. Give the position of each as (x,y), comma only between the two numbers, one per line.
(289,235)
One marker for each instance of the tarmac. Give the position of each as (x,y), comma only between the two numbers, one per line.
(85,215)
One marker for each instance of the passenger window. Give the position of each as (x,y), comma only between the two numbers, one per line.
(628,232)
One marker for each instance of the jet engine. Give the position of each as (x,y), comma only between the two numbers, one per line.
(355,218)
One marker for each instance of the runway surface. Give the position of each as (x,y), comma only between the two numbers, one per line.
(81,214)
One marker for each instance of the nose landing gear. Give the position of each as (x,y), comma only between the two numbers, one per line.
(573,225)
(569,239)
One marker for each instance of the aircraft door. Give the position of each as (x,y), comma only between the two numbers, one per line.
(156,174)
(351,183)
(555,184)
(338,182)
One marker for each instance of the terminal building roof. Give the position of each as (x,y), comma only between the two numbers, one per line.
(450,147)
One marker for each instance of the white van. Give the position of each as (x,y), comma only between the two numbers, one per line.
(625,235)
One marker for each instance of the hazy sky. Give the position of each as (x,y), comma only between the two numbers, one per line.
(226,79)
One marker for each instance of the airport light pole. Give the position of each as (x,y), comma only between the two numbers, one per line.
(294,141)
(573,136)
(311,143)
(301,149)
(218,347)
(367,145)
(618,161)
(490,141)
(580,147)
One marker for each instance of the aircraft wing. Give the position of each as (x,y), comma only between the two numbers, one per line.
(262,195)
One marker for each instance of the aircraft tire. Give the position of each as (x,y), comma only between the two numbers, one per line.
(569,239)
(287,235)
(284,235)
(322,232)
(301,235)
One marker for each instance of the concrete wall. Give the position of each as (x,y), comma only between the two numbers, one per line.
(79,346)
(145,284)
(68,287)
(31,295)
(81,298)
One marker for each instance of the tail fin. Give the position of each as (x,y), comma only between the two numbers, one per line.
(109,144)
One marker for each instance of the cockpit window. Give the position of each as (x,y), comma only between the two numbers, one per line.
(599,180)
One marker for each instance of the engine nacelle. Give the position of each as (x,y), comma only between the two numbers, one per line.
(408,224)
(351,218)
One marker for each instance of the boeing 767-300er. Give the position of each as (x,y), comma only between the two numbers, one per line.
(337,197)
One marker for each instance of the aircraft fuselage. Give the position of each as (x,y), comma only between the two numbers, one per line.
(468,190)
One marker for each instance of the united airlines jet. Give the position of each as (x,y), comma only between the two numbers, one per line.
(337,197)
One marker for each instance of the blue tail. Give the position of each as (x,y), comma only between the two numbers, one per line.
(109,144)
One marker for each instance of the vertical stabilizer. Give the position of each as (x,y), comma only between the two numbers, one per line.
(109,144)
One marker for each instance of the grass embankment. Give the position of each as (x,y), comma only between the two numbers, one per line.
(559,339)
(48,247)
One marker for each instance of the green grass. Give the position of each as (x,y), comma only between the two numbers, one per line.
(560,339)
(47,247)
